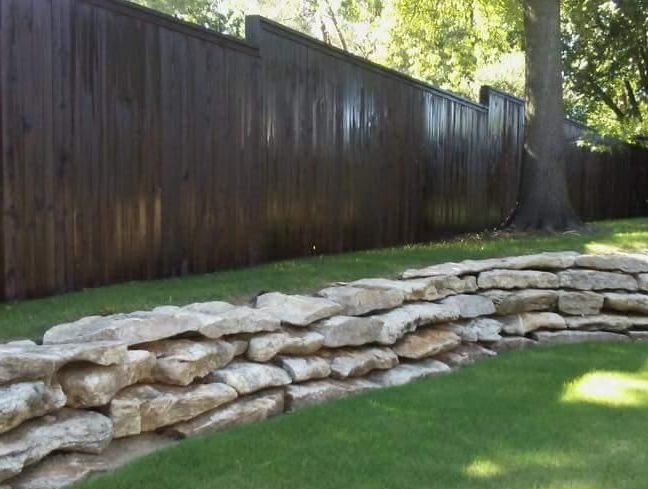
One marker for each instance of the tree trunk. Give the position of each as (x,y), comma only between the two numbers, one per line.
(543,201)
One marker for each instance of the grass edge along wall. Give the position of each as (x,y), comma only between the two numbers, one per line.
(145,147)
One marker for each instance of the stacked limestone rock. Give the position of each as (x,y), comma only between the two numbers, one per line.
(102,388)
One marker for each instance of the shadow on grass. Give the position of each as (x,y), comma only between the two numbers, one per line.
(535,419)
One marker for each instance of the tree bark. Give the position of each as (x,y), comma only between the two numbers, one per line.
(543,201)
(337,26)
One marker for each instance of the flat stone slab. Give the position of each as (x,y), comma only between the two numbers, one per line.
(465,354)
(517,279)
(607,322)
(64,469)
(522,324)
(65,430)
(239,343)
(637,303)
(247,410)
(25,400)
(446,285)
(142,408)
(298,310)
(412,290)
(358,362)
(517,301)
(248,377)
(356,301)
(642,281)
(409,372)
(299,396)
(426,343)
(349,331)
(572,337)
(580,303)
(302,369)
(628,263)
(408,318)
(88,385)
(638,335)
(540,261)
(180,362)
(471,306)
(593,280)
(512,343)
(132,329)
(557,260)
(28,361)
(447,269)
(479,329)
(220,319)
(265,347)
(211,319)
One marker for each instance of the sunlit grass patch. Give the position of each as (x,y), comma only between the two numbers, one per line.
(609,389)
(484,469)
(621,242)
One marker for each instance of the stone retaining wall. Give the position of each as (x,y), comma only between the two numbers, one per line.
(101,390)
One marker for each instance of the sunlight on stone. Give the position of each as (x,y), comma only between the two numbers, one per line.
(617,389)
(483,469)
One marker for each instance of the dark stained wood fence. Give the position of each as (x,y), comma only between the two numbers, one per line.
(134,146)
(606,184)
(130,146)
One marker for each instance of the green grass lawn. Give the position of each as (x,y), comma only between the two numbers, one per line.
(571,417)
(29,319)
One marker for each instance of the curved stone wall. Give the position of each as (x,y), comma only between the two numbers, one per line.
(101,390)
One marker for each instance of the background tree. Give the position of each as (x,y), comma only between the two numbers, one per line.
(462,44)
(212,14)
(543,199)
(448,42)
(606,65)
(358,26)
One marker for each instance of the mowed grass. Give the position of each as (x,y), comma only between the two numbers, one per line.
(29,319)
(571,417)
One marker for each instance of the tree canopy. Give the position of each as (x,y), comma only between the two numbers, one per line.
(606,65)
(212,14)
(448,42)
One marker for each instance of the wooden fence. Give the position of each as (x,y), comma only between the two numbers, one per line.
(135,146)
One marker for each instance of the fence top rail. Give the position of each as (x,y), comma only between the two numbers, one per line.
(486,90)
(127,8)
(299,37)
